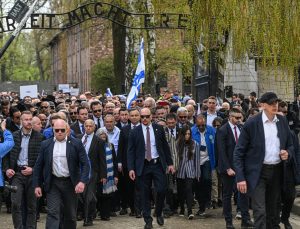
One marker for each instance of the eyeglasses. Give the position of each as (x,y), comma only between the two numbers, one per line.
(182,117)
(139,100)
(72,113)
(95,111)
(60,130)
(44,107)
(145,116)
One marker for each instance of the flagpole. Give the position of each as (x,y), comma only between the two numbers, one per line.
(18,29)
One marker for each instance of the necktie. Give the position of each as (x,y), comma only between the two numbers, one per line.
(148,150)
(172,132)
(98,123)
(85,140)
(235,135)
(82,129)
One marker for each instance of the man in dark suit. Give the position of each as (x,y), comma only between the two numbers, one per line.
(126,186)
(78,126)
(97,109)
(263,147)
(63,168)
(94,147)
(18,165)
(149,157)
(13,123)
(227,137)
(172,127)
(123,115)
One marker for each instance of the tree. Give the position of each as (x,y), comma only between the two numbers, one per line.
(266,30)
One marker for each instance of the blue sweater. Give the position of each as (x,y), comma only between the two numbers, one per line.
(5,147)
(209,139)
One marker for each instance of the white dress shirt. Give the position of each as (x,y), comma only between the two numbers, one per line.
(96,121)
(60,166)
(237,130)
(210,118)
(272,142)
(88,142)
(174,132)
(154,153)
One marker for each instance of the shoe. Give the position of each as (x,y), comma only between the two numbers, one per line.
(38,217)
(191,216)
(113,214)
(123,211)
(148,225)
(138,215)
(287,224)
(229,226)
(160,220)
(88,223)
(247,224)
(238,215)
(201,213)
(181,213)
(105,218)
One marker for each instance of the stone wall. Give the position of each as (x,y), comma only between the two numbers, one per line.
(277,81)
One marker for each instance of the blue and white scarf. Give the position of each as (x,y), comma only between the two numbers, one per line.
(110,186)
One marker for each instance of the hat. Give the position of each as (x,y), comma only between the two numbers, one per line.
(269,98)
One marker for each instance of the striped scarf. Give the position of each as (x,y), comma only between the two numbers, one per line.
(110,186)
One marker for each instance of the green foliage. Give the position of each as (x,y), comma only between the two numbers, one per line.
(268,30)
(103,76)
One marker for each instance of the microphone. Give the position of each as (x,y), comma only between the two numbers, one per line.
(10,188)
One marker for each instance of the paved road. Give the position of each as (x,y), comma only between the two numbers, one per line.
(214,220)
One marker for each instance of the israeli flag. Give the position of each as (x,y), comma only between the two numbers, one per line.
(139,77)
(108,93)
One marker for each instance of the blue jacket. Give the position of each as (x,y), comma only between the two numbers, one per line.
(210,141)
(5,147)
(48,133)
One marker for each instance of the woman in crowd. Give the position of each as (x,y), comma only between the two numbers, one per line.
(188,169)
(105,191)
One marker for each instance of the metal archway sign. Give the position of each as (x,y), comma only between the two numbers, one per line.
(107,11)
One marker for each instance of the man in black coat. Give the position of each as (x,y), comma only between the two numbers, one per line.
(95,150)
(126,186)
(227,137)
(63,168)
(263,147)
(18,166)
(148,159)
(78,126)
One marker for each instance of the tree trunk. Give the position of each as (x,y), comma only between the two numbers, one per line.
(132,41)
(119,35)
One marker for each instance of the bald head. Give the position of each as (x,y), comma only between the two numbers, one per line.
(36,124)
(60,128)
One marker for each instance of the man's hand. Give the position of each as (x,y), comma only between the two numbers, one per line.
(103,181)
(27,171)
(284,155)
(38,192)
(79,188)
(116,180)
(132,174)
(230,172)
(242,187)
(10,173)
(171,169)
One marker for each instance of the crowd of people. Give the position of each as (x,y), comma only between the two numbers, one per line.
(81,157)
